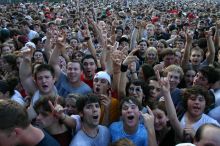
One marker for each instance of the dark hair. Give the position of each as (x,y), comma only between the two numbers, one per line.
(44,56)
(11,60)
(44,67)
(86,99)
(167,51)
(8,85)
(158,105)
(12,115)
(196,90)
(128,99)
(210,73)
(148,71)
(89,57)
(137,82)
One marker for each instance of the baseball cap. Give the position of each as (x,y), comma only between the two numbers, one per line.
(103,75)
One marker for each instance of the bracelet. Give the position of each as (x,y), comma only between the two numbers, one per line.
(86,38)
(124,68)
(63,118)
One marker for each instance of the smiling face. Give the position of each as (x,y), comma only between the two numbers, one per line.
(160,119)
(196,105)
(174,79)
(73,72)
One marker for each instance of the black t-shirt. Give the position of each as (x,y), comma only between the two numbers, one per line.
(48,141)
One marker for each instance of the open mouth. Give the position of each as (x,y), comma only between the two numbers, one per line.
(95,117)
(45,86)
(130,117)
(97,90)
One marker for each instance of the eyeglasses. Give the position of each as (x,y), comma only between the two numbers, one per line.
(137,89)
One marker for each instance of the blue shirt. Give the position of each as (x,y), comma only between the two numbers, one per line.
(64,87)
(139,138)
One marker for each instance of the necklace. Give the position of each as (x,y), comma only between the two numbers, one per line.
(84,130)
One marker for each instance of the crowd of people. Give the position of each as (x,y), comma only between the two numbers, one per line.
(110,73)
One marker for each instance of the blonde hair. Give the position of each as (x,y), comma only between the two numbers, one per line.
(151,49)
(174,68)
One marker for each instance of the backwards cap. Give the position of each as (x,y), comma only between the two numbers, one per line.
(103,75)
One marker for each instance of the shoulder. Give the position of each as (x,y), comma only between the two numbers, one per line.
(48,141)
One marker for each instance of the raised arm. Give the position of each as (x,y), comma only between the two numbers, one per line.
(25,73)
(171,111)
(149,125)
(54,58)
(186,54)
(217,35)
(210,56)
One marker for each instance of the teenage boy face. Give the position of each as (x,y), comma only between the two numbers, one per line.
(196,105)
(89,67)
(45,81)
(100,86)
(174,79)
(196,57)
(91,114)
(130,114)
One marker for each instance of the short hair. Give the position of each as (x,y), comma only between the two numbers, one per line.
(129,99)
(76,61)
(198,135)
(195,90)
(174,68)
(42,104)
(44,67)
(11,60)
(197,49)
(89,57)
(12,115)
(86,99)
(210,73)
(137,82)
(167,51)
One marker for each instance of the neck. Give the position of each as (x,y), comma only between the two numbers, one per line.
(190,119)
(32,136)
(90,131)
(56,128)
(76,84)
(51,93)
(130,130)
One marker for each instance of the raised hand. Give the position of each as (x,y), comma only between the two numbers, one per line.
(57,110)
(131,58)
(105,100)
(148,119)
(164,83)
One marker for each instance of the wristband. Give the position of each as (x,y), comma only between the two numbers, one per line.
(124,68)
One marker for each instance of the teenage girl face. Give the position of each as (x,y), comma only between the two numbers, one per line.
(160,119)
(188,77)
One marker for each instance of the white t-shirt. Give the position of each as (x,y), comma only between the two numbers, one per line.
(203,120)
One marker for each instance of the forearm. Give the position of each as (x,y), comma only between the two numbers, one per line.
(186,55)
(211,50)
(133,38)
